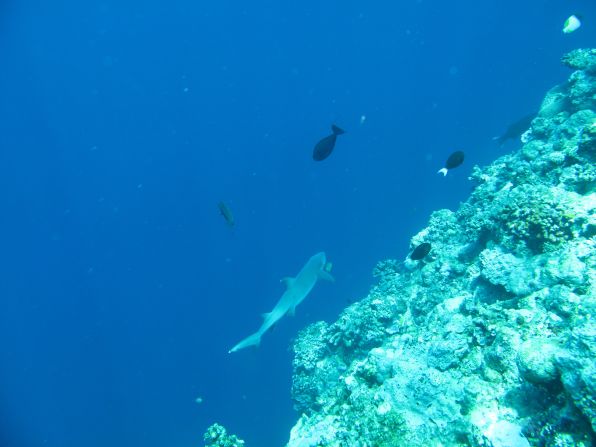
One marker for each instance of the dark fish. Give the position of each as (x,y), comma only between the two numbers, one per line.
(226,212)
(515,130)
(420,252)
(454,160)
(324,147)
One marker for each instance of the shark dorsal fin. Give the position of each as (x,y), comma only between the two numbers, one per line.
(288,281)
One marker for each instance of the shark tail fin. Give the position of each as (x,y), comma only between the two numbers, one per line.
(251,340)
(500,140)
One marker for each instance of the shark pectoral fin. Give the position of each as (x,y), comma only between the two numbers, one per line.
(265,315)
(325,275)
(288,281)
(291,311)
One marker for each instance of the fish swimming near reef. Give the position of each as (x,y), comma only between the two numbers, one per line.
(515,130)
(296,290)
(324,147)
(454,160)
(226,212)
(420,252)
(572,24)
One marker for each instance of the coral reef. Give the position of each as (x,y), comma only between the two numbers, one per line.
(217,436)
(491,339)
(581,59)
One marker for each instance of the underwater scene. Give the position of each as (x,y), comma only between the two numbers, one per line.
(298,224)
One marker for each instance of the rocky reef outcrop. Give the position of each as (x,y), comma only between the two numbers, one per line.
(217,436)
(491,339)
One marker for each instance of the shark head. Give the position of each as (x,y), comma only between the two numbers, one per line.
(319,263)
(319,259)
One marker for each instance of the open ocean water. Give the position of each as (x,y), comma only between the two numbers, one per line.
(123,124)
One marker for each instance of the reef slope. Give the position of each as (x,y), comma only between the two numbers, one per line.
(491,340)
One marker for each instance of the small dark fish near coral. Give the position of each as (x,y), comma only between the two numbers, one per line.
(226,212)
(515,130)
(454,160)
(420,252)
(324,147)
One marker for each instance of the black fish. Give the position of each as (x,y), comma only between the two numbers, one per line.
(515,130)
(324,147)
(420,252)
(226,212)
(454,160)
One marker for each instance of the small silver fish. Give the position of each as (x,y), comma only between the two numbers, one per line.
(226,212)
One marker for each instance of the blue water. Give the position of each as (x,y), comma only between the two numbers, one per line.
(124,123)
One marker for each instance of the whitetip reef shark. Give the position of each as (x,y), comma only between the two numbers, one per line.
(296,290)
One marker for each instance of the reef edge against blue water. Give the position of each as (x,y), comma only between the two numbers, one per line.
(490,340)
